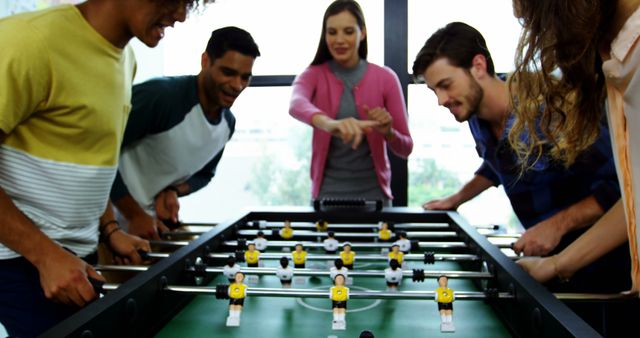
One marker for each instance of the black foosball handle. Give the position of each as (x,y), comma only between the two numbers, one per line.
(346,203)
(98,285)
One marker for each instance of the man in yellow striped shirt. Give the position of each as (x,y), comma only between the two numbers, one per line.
(65,90)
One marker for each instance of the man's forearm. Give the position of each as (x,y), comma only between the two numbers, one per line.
(473,188)
(129,207)
(605,235)
(579,215)
(20,234)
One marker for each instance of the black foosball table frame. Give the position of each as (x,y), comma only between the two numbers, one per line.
(141,306)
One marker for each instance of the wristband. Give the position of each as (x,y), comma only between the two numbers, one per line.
(105,236)
(106,224)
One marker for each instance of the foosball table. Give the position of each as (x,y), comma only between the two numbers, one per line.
(185,291)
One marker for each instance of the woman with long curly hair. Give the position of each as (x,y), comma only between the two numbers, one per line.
(593,44)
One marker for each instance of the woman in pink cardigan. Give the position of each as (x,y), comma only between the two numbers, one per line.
(356,109)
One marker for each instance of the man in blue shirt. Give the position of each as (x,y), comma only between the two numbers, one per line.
(555,204)
(177,131)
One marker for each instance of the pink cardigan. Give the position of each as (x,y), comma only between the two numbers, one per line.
(318,91)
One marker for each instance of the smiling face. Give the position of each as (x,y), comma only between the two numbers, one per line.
(343,37)
(147,19)
(455,88)
(226,77)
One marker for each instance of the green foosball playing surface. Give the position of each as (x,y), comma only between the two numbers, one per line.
(205,316)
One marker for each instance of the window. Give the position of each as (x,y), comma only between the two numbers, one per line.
(287,41)
(269,144)
(267,160)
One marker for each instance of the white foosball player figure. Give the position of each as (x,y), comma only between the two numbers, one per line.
(403,242)
(285,272)
(339,269)
(231,269)
(393,275)
(261,242)
(330,244)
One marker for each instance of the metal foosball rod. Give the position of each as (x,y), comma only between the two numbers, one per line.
(306,244)
(302,233)
(370,245)
(310,225)
(360,257)
(427,257)
(418,273)
(396,226)
(420,295)
(355,245)
(309,233)
(313,293)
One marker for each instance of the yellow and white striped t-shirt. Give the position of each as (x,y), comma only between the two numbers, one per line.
(64,102)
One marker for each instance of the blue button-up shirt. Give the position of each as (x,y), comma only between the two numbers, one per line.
(548,187)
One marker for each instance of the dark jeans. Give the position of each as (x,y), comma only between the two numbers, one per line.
(24,310)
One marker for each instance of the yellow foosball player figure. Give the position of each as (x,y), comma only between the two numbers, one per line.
(261,242)
(445,297)
(237,294)
(347,256)
(339,295)
(252,256)
(286,232)
(299,256)
(322,225)
(396,254)
(384,234)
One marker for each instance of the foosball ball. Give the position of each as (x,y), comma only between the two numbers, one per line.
(297,272)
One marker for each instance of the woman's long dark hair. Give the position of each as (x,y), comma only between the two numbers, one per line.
(322,54)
